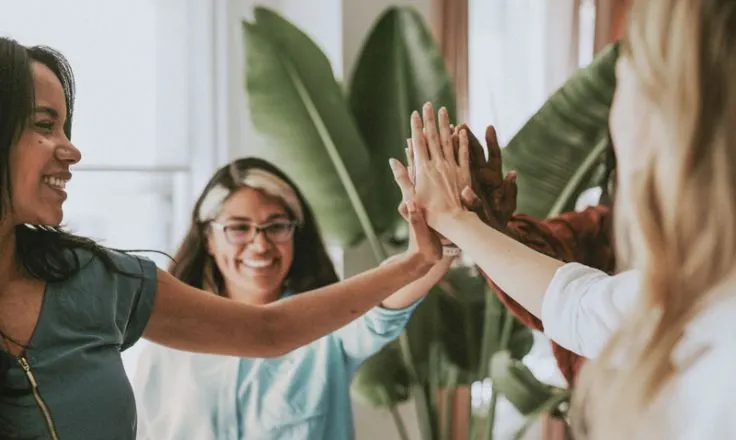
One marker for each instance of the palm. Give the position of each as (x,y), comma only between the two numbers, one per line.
(496,193)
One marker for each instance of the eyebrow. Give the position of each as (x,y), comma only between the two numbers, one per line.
(271,217)
(47,110)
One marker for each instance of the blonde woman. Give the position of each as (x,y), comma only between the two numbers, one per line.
(666,373)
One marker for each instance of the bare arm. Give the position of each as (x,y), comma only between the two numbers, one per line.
(411,293)
(522,272)
(187,319)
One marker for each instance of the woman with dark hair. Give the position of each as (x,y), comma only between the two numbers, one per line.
(68,306)
(253,239)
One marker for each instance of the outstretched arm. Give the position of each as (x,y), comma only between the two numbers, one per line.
(365,336)
(186,319)
(520,271)
(582,237)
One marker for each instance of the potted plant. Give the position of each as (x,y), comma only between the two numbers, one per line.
(335,144)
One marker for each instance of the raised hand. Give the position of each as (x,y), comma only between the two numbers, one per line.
(421,239)
(410,170)
(439,174)
(493,196)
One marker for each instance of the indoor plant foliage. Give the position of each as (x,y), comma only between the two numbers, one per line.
(336,145)
(336,148)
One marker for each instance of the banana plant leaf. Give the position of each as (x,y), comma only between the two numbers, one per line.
(307,129)
(399,69)
(382,380)
(558,153)
(515,381)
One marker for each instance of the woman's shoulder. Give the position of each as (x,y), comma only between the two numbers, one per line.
(702,406)
(108,270)
(707,352)
(104,261)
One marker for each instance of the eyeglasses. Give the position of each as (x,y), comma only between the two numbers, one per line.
(244,233)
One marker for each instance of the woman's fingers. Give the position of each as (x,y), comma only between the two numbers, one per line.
(446,134)
(470,199)
(426,241)
(403,211)
(410,161)
(494,150)
(464,157)
(430,131)
(401,176)
(421,154)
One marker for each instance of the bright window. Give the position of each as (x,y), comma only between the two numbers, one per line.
(142,116)
(520,51)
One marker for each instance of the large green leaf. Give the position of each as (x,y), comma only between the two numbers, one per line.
(558,151)
(306,127)
(382,380)
(399,69)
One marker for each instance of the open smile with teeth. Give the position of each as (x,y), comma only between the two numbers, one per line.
(258,264)
(55,182)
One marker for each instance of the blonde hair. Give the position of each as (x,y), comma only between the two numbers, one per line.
(676,218)
(269,183)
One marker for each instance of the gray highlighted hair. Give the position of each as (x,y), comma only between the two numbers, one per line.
(258,179)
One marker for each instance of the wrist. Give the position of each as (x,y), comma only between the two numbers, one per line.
(416,263)
(446,223)
(450,251)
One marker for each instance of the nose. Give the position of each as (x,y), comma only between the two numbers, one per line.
(68,153)
(260,243)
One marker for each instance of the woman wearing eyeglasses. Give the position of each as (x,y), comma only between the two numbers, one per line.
(254,239)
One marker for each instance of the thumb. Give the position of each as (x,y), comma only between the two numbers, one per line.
(470,199)
(401,176)
(404,211)
(416,217)
(511,190)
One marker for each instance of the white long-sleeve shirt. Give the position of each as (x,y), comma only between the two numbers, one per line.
(583,307)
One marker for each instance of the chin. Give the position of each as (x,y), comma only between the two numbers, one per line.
(51,219)
(266,289)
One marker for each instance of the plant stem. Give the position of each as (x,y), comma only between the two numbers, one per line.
(424,412)
(399,422)
(448,405)
(491,420)
(578,179)
(508,325)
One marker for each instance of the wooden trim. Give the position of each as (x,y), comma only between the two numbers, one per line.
(610,21)
(450,27)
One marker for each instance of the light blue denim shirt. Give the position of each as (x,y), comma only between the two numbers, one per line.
(303,395)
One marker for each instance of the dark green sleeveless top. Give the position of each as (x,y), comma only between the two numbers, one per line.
(72,373)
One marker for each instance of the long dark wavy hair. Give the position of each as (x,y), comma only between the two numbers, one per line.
(40,251)
(311,268)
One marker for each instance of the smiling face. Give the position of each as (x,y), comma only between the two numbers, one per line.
(255,270)
(40,160)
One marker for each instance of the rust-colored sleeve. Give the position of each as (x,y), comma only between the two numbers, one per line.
(584,237)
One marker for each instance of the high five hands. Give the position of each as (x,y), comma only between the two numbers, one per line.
(446,169)
(438,167)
